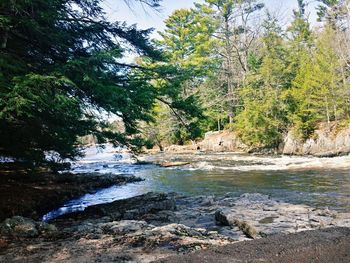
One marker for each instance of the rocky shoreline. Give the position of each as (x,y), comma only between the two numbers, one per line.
(155,226)
(329,140)
(33,194)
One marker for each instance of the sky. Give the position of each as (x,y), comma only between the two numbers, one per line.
(144,17)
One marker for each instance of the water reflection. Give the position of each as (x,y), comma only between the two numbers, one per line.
(316,188)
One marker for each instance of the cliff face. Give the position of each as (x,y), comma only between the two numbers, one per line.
(328,140)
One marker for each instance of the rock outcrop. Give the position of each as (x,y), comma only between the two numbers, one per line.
(258,215)
(327,141)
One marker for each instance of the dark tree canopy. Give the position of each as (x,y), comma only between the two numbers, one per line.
(59,65)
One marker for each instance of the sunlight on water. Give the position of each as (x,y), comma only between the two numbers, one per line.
(319,182)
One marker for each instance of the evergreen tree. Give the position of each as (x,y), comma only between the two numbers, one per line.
(236,43)
(187,46)
(317,87)
(59,65)
(264,117)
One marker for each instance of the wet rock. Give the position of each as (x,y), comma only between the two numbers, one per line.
(170,222)
(157,228)
(128,209)
(224,217)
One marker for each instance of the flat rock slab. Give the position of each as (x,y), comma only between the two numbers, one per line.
(326,245)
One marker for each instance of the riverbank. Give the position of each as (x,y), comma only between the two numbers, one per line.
(33,194)
(156,226)
(328,140)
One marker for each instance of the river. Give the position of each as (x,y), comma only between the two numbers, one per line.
(318,182)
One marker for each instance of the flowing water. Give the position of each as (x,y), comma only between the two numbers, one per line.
(319,182)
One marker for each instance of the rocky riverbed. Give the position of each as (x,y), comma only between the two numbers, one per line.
(155,226)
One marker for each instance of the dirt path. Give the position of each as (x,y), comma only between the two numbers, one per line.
(327,245)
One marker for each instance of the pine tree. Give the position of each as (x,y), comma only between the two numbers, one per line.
(264,117)
(59,64)
(187,47)
(317,87)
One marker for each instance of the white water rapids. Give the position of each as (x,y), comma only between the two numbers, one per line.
(319,182)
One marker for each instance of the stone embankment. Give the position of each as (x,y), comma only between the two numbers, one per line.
(154,226)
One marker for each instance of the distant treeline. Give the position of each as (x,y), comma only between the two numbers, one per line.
(246,72)
(222,64)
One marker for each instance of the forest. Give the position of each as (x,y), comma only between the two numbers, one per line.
(221,65)
(221,136)
(250,74)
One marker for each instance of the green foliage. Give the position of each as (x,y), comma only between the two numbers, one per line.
(187,45)
(236,47)
(187,41)
(59,69)
(317,87)
(40,113)
(263,119)
(258,124)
